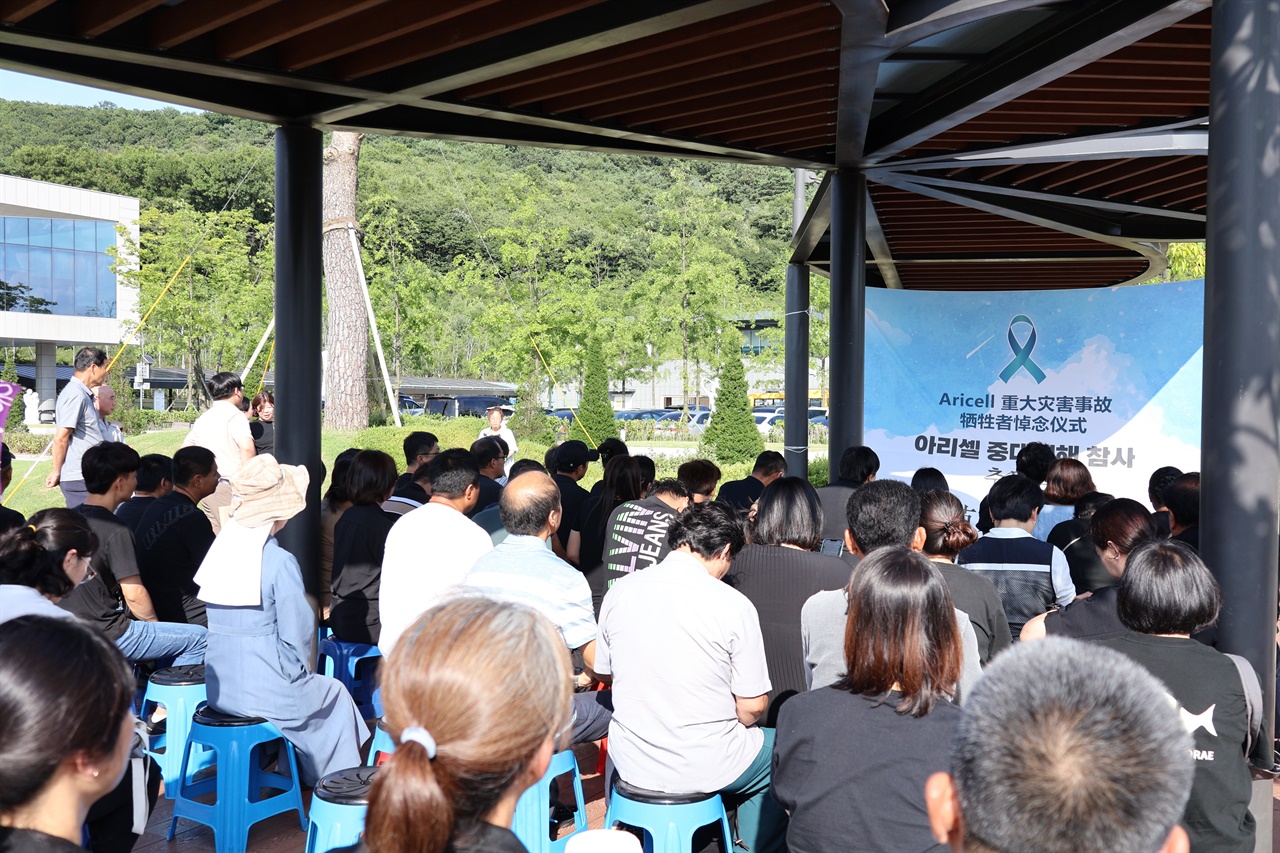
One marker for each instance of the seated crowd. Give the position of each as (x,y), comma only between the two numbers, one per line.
(849,667)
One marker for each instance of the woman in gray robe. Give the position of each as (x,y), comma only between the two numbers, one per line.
(261,628)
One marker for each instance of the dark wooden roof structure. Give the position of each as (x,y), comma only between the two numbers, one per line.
(1007,143)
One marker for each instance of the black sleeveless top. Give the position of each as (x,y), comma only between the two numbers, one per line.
(1092,618)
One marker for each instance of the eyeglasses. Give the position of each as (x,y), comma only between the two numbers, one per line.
(89,572)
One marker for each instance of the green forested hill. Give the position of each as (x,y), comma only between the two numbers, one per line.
(469,249)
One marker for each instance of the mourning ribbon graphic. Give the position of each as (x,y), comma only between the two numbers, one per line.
(1022,352)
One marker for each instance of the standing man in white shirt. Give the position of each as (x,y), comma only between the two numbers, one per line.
(224,430)
(686,658)
(77,426)
(430,550)
(497,428)
(104,400)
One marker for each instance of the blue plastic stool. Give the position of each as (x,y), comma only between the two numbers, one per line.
(238,781)
(342,661)
(532,823)
(180,690)
(338,806)
(668,820)
(382,743)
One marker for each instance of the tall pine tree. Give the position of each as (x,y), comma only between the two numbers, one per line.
(594,422)
(731,435)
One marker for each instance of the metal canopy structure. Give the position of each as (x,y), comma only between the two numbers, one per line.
(967,144)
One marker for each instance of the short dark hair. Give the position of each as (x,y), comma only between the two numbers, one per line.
(788,512)
(1068,480)
(191,462)
(700,475)
(670,486)
(648,470)
(261,399)
(1125,522)
(947,530)
(370,478)
(337,491)
(1182,499)
(87,357)
(418,444)
(883,513)
(1066,746)
(1160,479)
(768,463)
(64,689)
(1014,498)
(525,511)
(31,555)
(451,473)
(901,631)
(486,450)
(1167,589)
(929,480)
(524,466)
(707,528)
(1091,503)
(104,463)
(610,448)
(858,464)
(224,384)
(153,469)
(1033,461)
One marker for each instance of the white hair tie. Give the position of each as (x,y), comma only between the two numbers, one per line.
(419,735)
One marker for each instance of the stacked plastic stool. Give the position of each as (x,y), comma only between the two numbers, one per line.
(342,660)
(532,823)
(382,746)
(338,806)
(237,780)
(180,690)
(669,820)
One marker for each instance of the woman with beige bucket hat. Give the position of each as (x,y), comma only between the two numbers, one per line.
(262,630)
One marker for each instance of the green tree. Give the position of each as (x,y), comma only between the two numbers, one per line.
(731,435)
(594,422)
(18,410)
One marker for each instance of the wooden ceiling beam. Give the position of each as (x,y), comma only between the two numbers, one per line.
(685,37)
(794,112)
(1100,166)
(1118,182)
(282,22)
(16,11)
(739,84)
(766,46)
(781,139)
(1158,185)
(458,32)
(744,105)
(381,24)
(175,25)
(92,18)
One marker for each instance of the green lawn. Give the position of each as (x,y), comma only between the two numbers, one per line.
(31,497)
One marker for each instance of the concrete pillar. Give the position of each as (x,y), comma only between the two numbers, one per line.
(46,371)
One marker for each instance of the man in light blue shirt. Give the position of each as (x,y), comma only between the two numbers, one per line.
(77,426)
(523,570)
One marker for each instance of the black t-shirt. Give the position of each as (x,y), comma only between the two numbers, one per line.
(977,598)
(591,529)
(1092,618)
(636,537)
(740,494)
(1210,697)
(572,497)
(835,501)
(851,770)
(32,841)
(173,538)
(490,493)
(778,581)
(359,542)
(264,437)
(484,838)
(99,602)
(10,519)
(1087,571)
(132,510)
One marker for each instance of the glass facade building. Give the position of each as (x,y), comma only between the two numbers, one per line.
(57,266)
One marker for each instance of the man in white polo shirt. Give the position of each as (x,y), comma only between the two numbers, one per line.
(431,549)
(223,429)
(687,661)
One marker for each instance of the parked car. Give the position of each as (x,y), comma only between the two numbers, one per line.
(639,414)
(474,405)
(820,420)
(410,406)
(765,423)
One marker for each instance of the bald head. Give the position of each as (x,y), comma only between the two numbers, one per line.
(530,505)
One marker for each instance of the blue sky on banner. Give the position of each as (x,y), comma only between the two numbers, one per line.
(1136,347)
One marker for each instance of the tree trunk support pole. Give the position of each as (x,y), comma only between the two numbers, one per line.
(392,399)
(848,307)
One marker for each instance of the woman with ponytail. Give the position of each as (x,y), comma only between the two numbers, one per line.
(42,562)
(946,533)
(477,694)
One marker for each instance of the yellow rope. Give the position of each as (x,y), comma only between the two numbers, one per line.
(556,385)
(147,316)
(266,367)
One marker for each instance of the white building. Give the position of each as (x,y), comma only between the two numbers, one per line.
(58,287)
